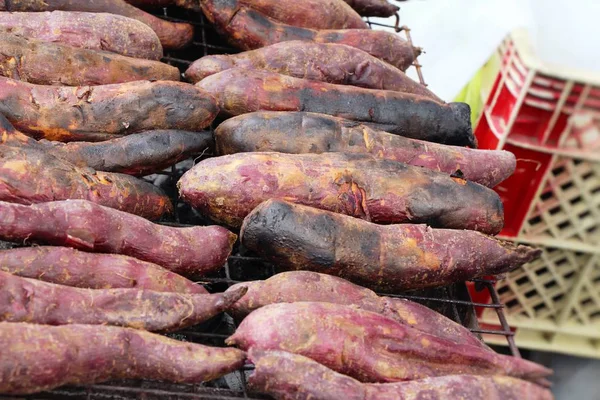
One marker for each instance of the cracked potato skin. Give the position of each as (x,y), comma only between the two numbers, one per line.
(293,286)
(96,113)
(35,301)
(389,258)
(34,61)
(30,175)
(228,188)
(240,91)
(90,227)
(325,62)
(172,35)
(95,31)
(302,132)
(71,267)
(287,376)
(248,29)
(368,346)
(41,357)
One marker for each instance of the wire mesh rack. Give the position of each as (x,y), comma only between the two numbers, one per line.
(452,301)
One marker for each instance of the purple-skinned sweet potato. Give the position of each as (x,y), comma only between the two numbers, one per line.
(172,35)
(228,188)
(29,175)
(373,8)
(369,346)
(90,227)
(287,376)
(35,301)
(390,258)
(301,132)
(240,91)
(95,31)
(34,61)
(293,286)
(95,113)
(41,357)
(70,267)
(248,29)
(326,62)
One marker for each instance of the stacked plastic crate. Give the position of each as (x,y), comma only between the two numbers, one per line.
(550,119)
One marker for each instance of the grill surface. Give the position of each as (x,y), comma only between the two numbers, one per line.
(453,301)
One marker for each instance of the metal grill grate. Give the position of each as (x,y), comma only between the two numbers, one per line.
(453,301)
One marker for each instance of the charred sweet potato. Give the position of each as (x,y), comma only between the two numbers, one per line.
(96,31)
(227,188)
(34,61)
(172,35)
(373,8)
(70,267)
(41,357)
(95,113)
(289,287)
(138,154)
(29,175)
(325,62)
(369,346)
(31,300)
(239,91)
(90,227)
(395,257)
(287,376)
(302,132)
(248,29)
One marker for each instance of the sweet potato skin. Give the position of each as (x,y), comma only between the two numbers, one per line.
(227,188)
(172,35)
(90,227)
(287,376)
(373,8)
(368,346)
(248,29)
(325,62)
(34,301)
(86,354)
(239,91)
(193,5)
(390,258)
(34,61)
(70,267)
(302,132)
(293,286)
(95,113)
(95,31)
(29,175)
(137,154)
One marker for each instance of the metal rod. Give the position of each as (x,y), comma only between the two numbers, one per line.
(503,322)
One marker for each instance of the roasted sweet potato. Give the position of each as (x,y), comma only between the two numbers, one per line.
(96,31)
(90,227)
(248,29)
(70,267)
(369,346)
(239,91)
(227,188)
(138,154)
(325,62)
(172,35)
(95,113)
(373,8)
(289,287)
(41,357)
(35,61)
(287,376)
(29,175)
(301,132)
(31,300)
(395,257)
